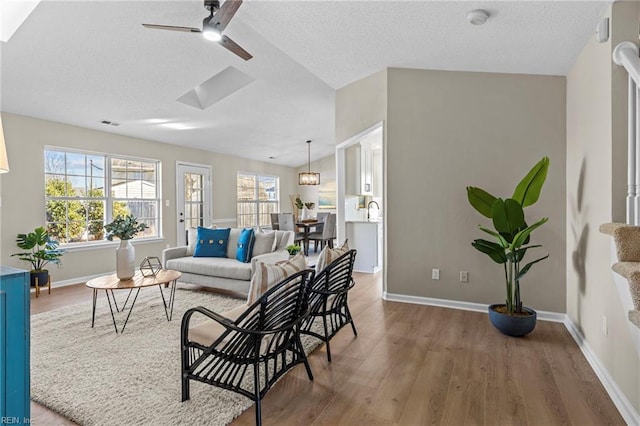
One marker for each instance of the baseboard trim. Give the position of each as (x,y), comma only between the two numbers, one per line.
(465,306)
(622,403)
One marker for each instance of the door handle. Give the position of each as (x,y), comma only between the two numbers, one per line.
(181,220)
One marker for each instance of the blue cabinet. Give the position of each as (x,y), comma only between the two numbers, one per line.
(14,344)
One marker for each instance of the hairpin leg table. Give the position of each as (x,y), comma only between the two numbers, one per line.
(109,283)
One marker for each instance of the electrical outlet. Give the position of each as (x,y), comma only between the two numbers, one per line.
(464,276)
(605,328)
(435,274)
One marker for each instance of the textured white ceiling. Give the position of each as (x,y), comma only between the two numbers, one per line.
(83,62)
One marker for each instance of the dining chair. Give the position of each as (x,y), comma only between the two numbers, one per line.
(286,223)
(274,221)
(327,235)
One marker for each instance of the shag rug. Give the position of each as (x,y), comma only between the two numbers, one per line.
(94,376)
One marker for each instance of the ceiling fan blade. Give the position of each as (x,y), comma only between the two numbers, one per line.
(225,13)
(172,28)
(231,45)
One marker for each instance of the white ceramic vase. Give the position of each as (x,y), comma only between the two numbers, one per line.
(125,260)
(306,214)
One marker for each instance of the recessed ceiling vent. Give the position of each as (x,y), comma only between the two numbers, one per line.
(218,87)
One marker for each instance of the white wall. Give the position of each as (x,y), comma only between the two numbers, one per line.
(22,189)
(596,184)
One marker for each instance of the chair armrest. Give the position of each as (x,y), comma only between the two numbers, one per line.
(268,258)
(228,324)
(173,253)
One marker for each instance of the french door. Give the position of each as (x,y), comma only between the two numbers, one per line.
(193,198)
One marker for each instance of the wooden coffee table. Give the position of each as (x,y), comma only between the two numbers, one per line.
(108,283)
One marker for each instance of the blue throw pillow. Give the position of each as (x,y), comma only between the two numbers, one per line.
(245,245)
(211,242)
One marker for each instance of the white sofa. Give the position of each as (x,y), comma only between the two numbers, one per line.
(226,272)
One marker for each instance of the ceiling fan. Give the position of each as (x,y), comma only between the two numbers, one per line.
(213,25)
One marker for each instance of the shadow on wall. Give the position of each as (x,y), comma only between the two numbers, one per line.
(580,230)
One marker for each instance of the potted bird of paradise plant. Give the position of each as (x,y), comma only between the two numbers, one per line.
(511,243)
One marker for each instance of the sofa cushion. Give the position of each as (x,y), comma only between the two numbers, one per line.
(266,276)
(212,266)
(245,245)
(264,243)
(211,242)
(328,255)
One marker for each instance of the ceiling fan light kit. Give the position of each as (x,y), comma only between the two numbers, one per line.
(209,31)
(213,25)
(308,177)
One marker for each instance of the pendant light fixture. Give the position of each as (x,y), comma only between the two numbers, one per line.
(308,177)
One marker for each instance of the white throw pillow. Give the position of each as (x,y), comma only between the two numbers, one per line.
(267,276)
(328,255)
(264,243)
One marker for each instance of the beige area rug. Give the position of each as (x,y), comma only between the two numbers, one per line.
(97,377)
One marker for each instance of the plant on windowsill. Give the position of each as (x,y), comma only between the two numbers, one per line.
(125,228)
(42,251)
(512,235)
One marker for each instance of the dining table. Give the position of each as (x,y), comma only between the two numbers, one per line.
(306,230)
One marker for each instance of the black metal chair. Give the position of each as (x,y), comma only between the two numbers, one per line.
(328,299)
(248,355)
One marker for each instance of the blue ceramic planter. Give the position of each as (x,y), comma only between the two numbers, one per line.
(510,325)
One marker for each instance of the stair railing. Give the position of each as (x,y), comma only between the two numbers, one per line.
(626,54)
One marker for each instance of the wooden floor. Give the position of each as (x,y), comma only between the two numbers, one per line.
(415,365)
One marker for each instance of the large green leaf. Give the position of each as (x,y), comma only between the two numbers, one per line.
(521,236)
(519,253)
(528,190)
(481,200)
(504,243)
(508,216)
(493,250)
(528,266)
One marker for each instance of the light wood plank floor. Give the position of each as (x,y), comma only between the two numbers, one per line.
(416,365)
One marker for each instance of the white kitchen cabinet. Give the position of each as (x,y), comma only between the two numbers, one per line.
(366,238)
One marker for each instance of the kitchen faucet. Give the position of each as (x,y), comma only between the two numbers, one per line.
(369,208)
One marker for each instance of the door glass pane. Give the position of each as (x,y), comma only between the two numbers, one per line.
(194,200)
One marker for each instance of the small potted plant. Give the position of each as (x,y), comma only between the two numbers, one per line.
(512,241)
(293,249)
(125,228)
(305,207)
(42,251)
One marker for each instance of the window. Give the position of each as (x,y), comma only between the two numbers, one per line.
(258,197)
(84,191)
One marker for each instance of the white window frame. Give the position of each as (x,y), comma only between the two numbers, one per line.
(108,197)
(257,201)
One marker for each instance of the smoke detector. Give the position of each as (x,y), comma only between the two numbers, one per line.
(478,17)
